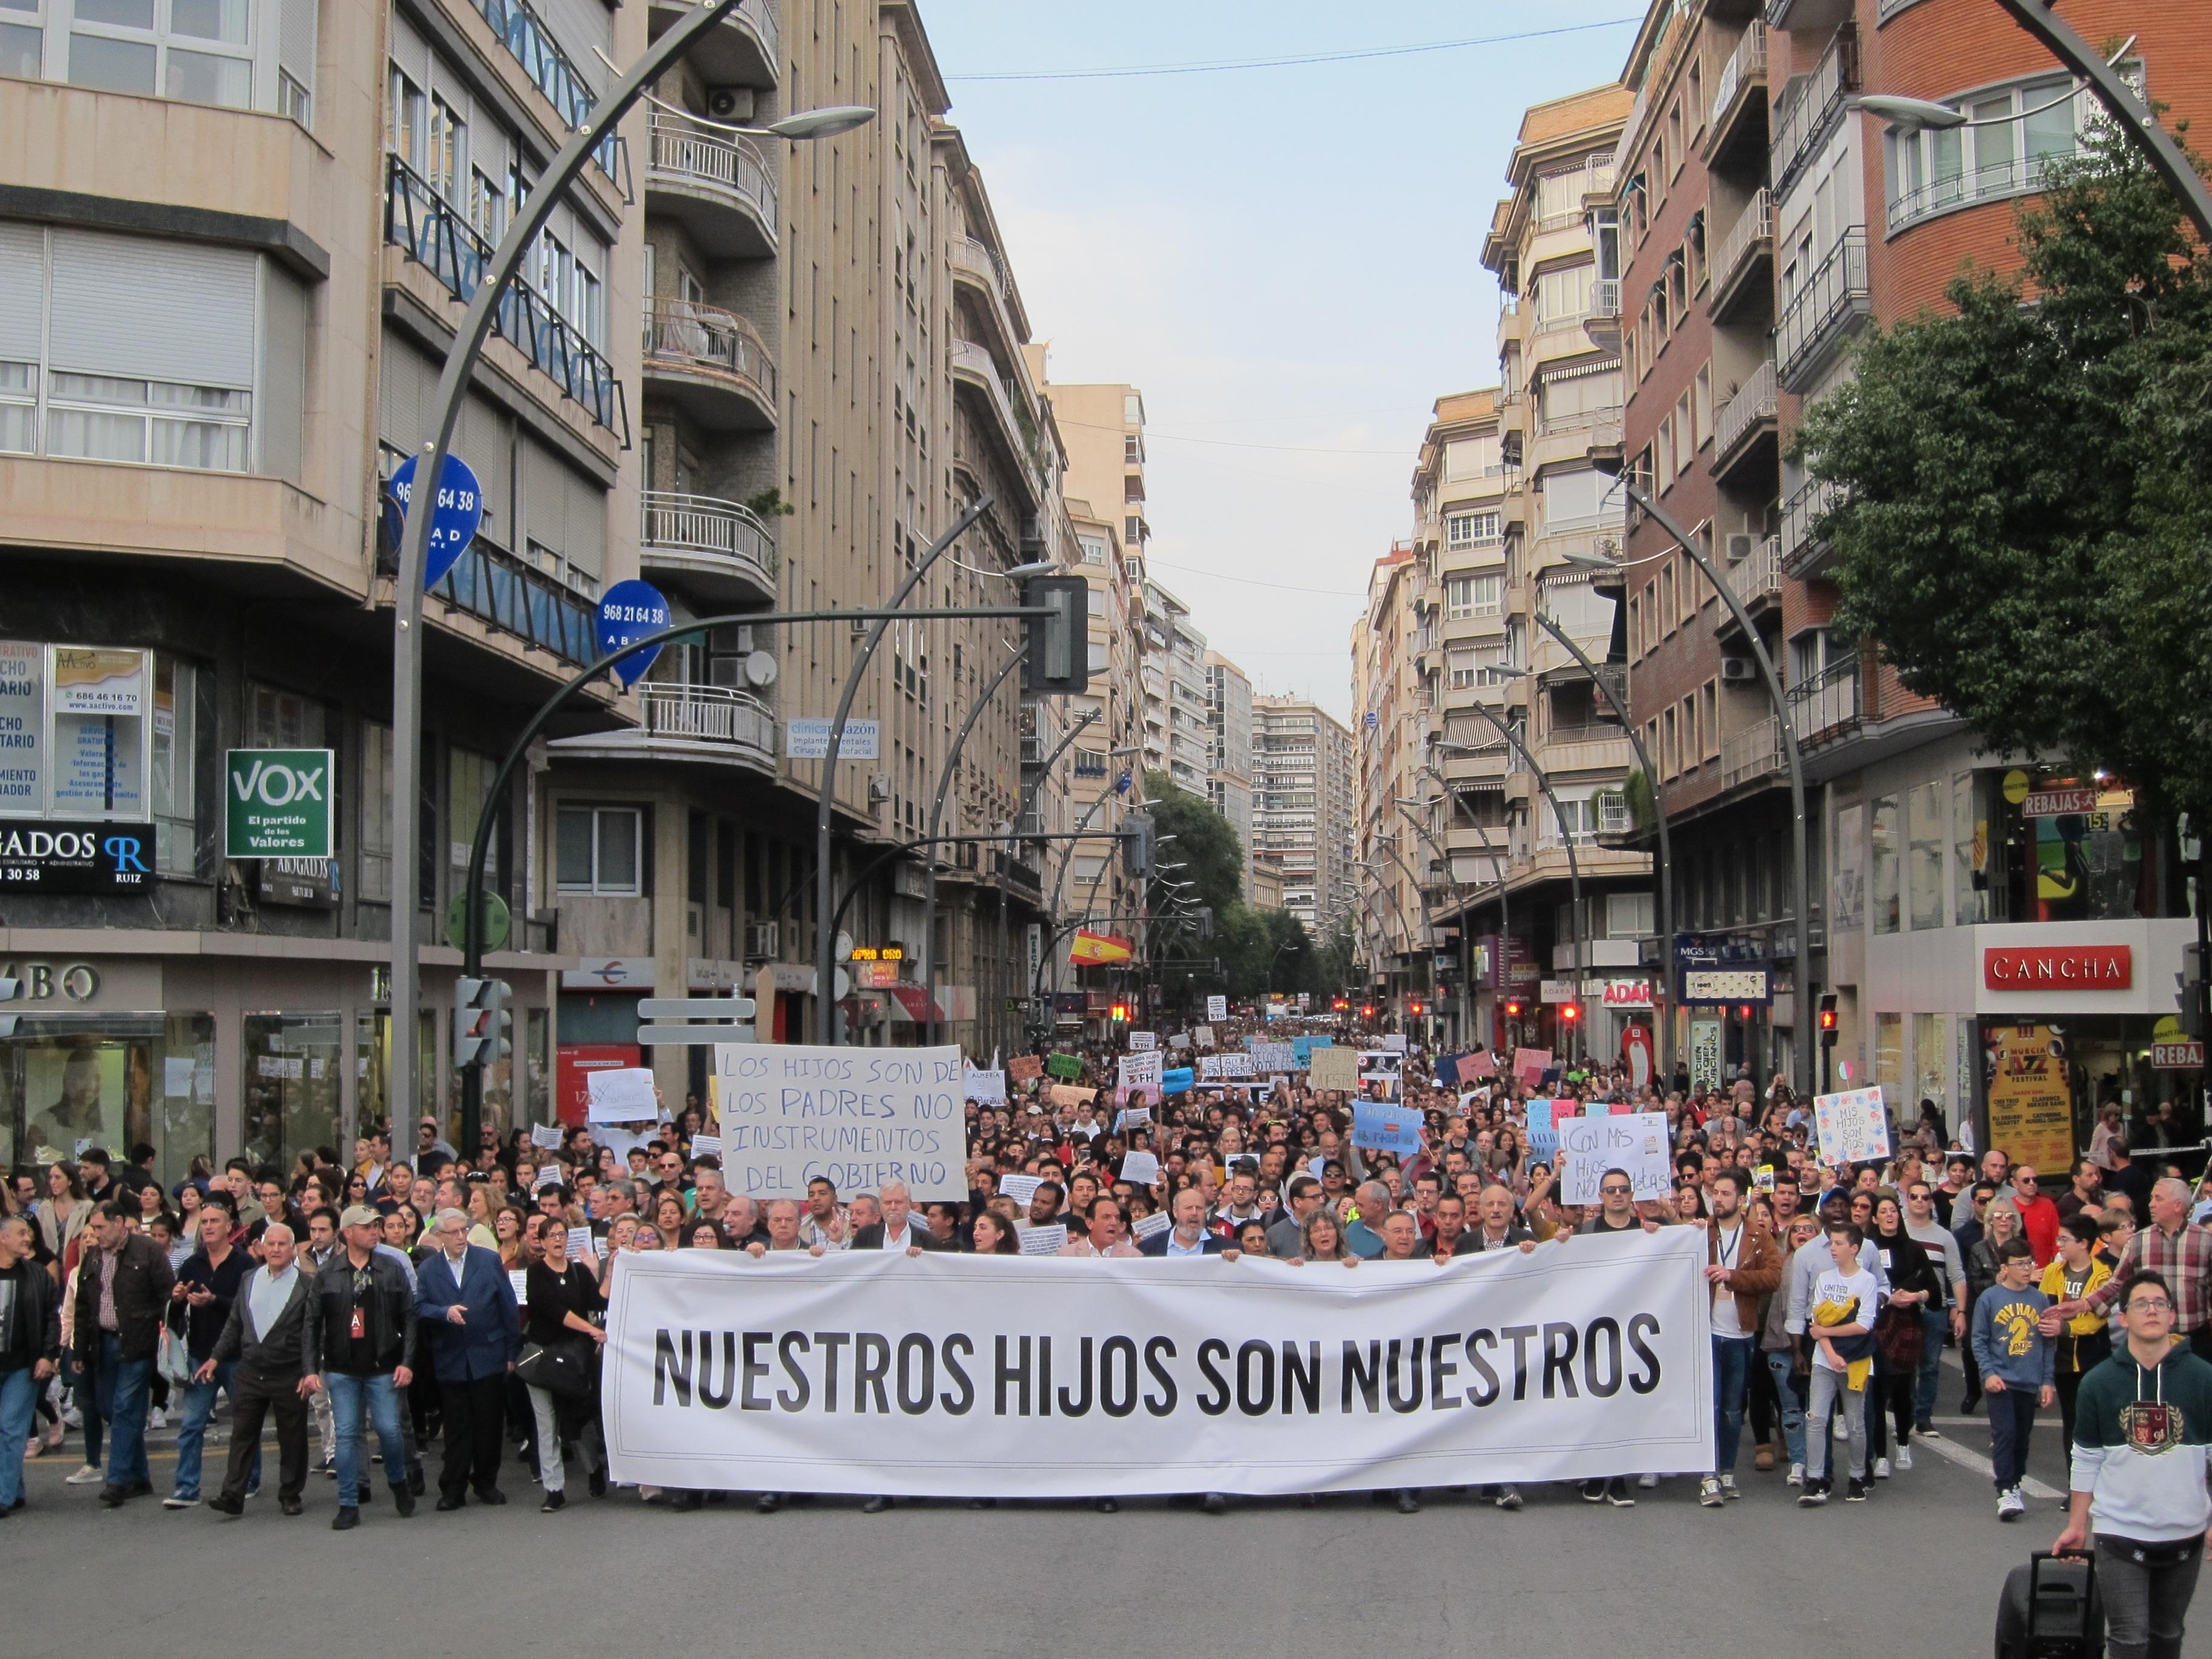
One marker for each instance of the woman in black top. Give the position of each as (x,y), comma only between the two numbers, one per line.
(1913,1280)
(563,1295)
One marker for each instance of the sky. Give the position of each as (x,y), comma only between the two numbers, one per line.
(1286,260)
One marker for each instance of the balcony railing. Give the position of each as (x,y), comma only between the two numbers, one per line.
(970,255)
(497,588)
(1799,513)
(1751,753)
(530,44)
(1757,577)
(2021,175)
(695,335)
(1754,402)
(699,524)
(759,15)
(436,235)
(1604,297)
(1809,105)
(708,714)
(692,152)
(1752,234)
(1827,704)
(1826,304)
(1613,817)
(1746,65)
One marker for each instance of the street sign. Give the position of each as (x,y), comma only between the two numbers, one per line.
(732,1018)
(454,516)
(277,803)
(629,611)
(2177,1056)
(809,739)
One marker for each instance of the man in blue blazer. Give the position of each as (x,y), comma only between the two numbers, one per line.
(1188,1235)
(474,1331)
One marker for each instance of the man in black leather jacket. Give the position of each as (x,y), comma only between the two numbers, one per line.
(360,1347)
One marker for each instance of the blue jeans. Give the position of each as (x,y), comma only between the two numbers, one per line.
(19,1404)
(349,1395)
(1778,1366)
(198,1407)
(119,1390)
(1731,1388)
(1937,1324)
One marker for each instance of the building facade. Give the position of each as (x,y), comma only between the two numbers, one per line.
(1302,760)
(1228,760)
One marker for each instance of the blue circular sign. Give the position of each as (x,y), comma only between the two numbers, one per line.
(629,611)
(454,517)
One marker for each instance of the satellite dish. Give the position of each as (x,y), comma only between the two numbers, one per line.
(760,669)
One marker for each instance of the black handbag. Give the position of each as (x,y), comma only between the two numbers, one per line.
(560,1372)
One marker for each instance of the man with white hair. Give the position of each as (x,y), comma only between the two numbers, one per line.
(897,1229)
(2178,1252)
(264,1342)
(474,1330)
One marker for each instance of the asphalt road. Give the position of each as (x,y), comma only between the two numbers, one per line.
(1927,1553)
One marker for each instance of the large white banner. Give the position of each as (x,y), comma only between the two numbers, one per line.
(1038,1378)
(861,1116)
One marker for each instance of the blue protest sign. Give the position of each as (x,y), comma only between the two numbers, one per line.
(1304,1047)
(1386,1126)
(629,611)
(1178,1080)
(1447,1071)
(454,516)
(1543,1134)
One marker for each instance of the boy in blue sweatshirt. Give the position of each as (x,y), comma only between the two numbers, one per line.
(2018,1364)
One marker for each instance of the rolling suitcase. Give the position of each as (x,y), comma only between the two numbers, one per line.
(2049,1610)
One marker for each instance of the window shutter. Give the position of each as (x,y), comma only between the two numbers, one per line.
(23,280)
(406,387)
(295,41)
(139,309)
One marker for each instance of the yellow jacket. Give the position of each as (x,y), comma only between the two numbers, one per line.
(2053,1285)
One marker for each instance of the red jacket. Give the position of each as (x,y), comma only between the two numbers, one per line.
(2039,1220)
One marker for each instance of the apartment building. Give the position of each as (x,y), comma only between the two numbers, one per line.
(1302,764)
(1554,247)
(1103,428)
(718,372)
(233,249)
(1391,705)
(1945,862)
(1229,759)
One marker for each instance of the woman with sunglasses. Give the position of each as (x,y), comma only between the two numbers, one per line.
(2000,1224)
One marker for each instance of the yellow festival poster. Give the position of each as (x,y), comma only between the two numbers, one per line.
(2031,1097)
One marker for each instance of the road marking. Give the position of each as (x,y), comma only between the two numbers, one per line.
(1981,1466)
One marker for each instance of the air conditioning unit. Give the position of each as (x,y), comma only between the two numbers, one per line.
(1739,670)
(760,941)
(729,103)
(859,626)
(879,788)
(1739,546)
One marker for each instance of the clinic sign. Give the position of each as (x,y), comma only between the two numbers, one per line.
(276,803)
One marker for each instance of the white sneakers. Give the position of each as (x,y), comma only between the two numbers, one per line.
(1903,1459)
(1837,1429)
(2011,1505)
(87,1476)
(157,1419)
(1709,1492)
(1881,1469)
(1647,1481)
(1796,1475)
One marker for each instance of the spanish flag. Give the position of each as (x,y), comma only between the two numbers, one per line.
(1089,950)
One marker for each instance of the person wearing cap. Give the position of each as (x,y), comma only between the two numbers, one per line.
(467,1303)
(360,1347)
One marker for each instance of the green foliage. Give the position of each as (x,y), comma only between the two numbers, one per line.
(2025,522)
(770,504)
(1642,807)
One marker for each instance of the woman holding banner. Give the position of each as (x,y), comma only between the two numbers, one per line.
(561,1295)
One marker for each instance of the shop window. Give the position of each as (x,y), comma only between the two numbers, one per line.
(72,1082)
(375,813)
(1931,1065)
(1923,829)
(175,766)
(1883,849)
(1889,1057)
(2070,847)
(371,1065)
(290,1085)
(1970,851)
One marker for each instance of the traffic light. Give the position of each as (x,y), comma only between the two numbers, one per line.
(1057,658)
(1120,1013)
(1418,1007)
(1828,1020)
(1367,1010)
(482,1025)
(1341,1006)
(2189,984)
(1570,1012)
(1136,843)
(1512,1011)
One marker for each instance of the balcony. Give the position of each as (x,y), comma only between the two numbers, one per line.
(437,236)
(1828,306)
(710,361)
(744,51)
(1750,754)
(2021,175)
(1809,105)
(709,724)
(718,551)
(1810,16)
(974,371)
(1737,132)
(974,264)
(717,184)
(1754,579)
(1567,439)
(1827,706)
(1598,746)
(532,44)
(515,599)
(1743,265)
(1743,430)
(1804,551)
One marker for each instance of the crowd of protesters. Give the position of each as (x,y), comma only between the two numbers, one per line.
(453,1303)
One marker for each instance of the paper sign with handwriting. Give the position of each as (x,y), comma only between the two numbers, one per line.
(1636,1143)
(1336,1068)
(1020,1188)
(1044,1241)
(984,1088)
(623,1094)
(859,1117)
(1140,1168)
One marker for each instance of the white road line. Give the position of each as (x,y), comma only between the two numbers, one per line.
(1981,1466)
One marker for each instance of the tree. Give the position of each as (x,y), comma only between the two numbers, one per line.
(2024,517)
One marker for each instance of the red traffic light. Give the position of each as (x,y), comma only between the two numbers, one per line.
(1569,1011)
(1367,1011)
(1119,1014)
(1418,1007)
(1513,1010)
(1827,1019)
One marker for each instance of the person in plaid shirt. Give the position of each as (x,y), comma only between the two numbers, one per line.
(2178,1253)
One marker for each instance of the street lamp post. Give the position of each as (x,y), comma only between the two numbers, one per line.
(1428,920)
(461,357)
(936,818)
(1574,863)
(1801,1012)
(1666,883)
(1007,856)
(1497,866)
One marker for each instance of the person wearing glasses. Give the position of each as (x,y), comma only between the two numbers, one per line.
(1616,1214)
(2038,1215)
(2142,1422)
(2178,1253)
